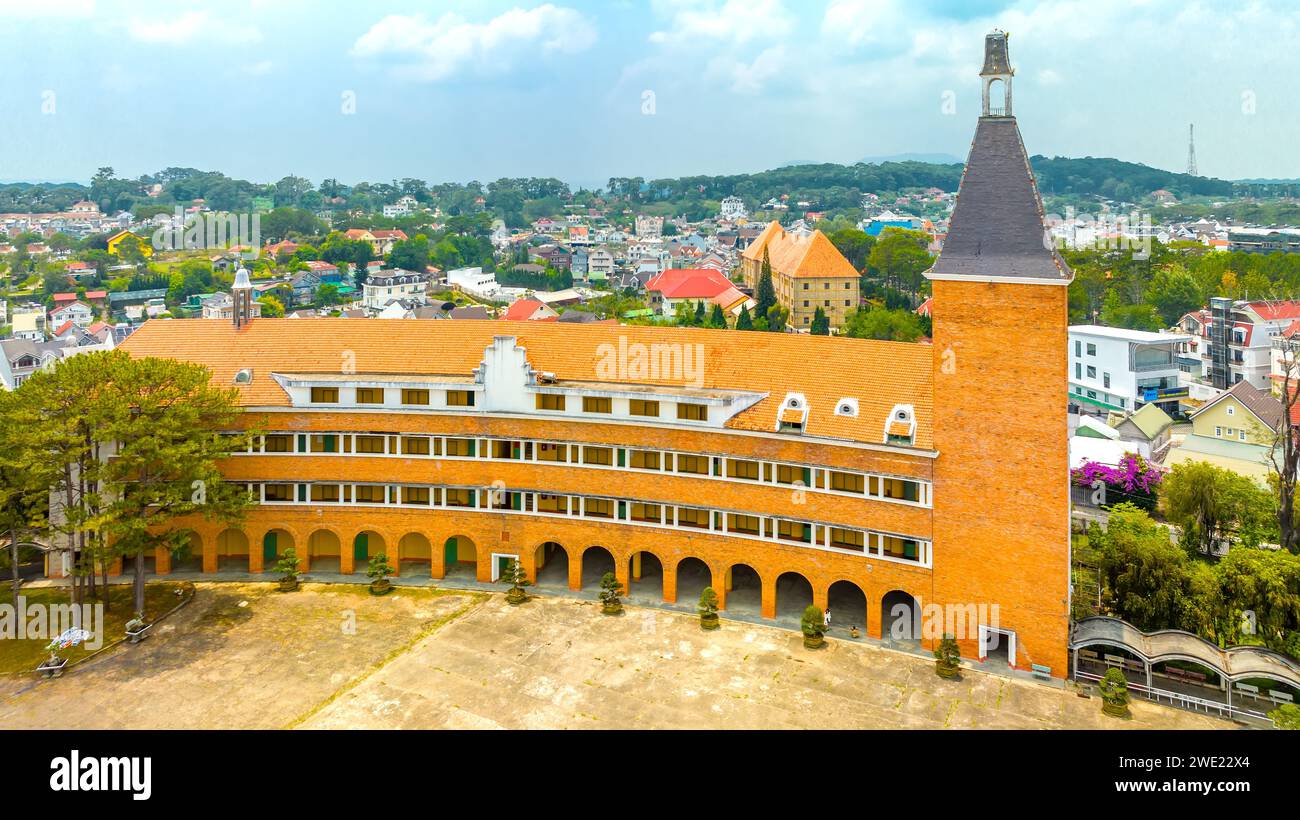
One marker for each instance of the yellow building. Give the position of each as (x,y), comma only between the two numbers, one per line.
(808,272)
(1235,431)
(116,240)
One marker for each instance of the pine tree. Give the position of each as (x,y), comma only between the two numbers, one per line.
(764,293)
(821,325)
(718,319)
(745,321)
(699,314)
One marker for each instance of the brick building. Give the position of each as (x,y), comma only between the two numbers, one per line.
(895,482)
(808,272)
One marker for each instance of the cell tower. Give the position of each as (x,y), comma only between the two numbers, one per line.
(1191,151)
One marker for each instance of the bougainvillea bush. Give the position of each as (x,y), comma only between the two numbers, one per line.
(1133,480)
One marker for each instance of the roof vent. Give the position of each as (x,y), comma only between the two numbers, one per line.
(847,407)
(244,376)
(546,378)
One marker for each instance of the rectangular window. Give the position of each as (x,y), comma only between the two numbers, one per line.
(747,470)
(460,498)
(324,492)
(1092,372)
(644,460)
(699,465)
(462,447)
(415,446)
(372,494)
(1078,348)
(598,455)
(598,508)
(370,395)
(691,517)
(789,474)
(325,395)
(279,443)
(1105,380)
(848,539)
(1241,435)
(899,489)
(552,452)
(549,401)
(693,412)
(646,512)
(793,531)
(507,450)
(643,407)
(553,503)
(1092,349)
(415,397)
(848,482)
(460,398)
(370,444)
(896,547)
(324,444)
(278,492)
(415,495)
(597,404)
(744,524)
(1078,370)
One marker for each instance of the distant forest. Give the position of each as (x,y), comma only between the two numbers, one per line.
(825,187)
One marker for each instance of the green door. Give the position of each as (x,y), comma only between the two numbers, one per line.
(503,566)
(268,547)
(360,547)
(449,552)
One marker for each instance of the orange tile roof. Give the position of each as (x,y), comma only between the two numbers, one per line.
(800,257)
(824,369)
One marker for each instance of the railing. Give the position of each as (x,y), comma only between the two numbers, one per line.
(1182,701)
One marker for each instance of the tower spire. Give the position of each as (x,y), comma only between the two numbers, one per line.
(996,75)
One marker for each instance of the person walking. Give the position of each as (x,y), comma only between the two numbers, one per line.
(826,619)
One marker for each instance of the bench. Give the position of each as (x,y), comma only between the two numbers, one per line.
(1247,689)
(1043,672)
(1280,697)
(1088,655)
(1113,660)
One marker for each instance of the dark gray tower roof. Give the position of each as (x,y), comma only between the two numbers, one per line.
(996,231)
(996,59)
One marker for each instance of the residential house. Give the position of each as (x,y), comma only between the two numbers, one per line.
(600,264)
(1235,430)
(1149,428)
(1119,369)
(77,312)
(529,310)
(392,284)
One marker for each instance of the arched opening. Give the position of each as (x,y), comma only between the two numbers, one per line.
(413,549)
(744,590)
(1263,694)
(900,619)
(1186,676)
(997,98)
(552,562)
(274,544)
(596,561)
(365,545)
(645,577)
(460,558)
(693,575)
(849,604)
(232,551)
(187,554)
(794,594)
(323,551)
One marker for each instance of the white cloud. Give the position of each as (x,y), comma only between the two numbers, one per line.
(450,44)
(751,77)
(733,21)
(191,26)
(28,10)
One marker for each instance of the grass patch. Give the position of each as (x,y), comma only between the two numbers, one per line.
(18,657)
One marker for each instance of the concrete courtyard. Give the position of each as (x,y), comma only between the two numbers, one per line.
(331,656)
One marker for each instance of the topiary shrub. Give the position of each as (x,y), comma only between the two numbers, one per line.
(610,589)
(518,579)
(1286,716)
(813,625)
(1114,693)
(947,658)
(708,609)
(287,566)
(378,571)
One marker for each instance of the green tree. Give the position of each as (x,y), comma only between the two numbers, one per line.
(1174,293)
(764,293)
(744,321)
(1147,577)
(272,308)
(1213,504)
(879,323)
(717,318)
(821,325)
(166,419)
(900,257)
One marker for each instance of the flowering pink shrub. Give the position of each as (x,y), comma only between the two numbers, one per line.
(1133,474)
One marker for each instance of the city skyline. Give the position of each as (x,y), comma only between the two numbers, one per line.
(584,91)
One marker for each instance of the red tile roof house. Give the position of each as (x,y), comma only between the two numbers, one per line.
(526,310)
(693,285)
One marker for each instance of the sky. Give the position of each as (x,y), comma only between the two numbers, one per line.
(584,90)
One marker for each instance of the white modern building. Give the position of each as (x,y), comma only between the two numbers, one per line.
(1114,368)
(732,209)
(476,282)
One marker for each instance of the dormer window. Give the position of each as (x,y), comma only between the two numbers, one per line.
(793,415)
(847,407)
(244,376)
(900,426)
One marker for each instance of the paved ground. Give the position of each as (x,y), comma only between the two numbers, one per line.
(244,656)
(557,663)
(238,656)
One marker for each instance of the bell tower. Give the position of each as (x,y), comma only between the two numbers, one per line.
(242,295)
(1001,487)
(996,75)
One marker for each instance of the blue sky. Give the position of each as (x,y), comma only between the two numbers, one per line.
(586,90)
